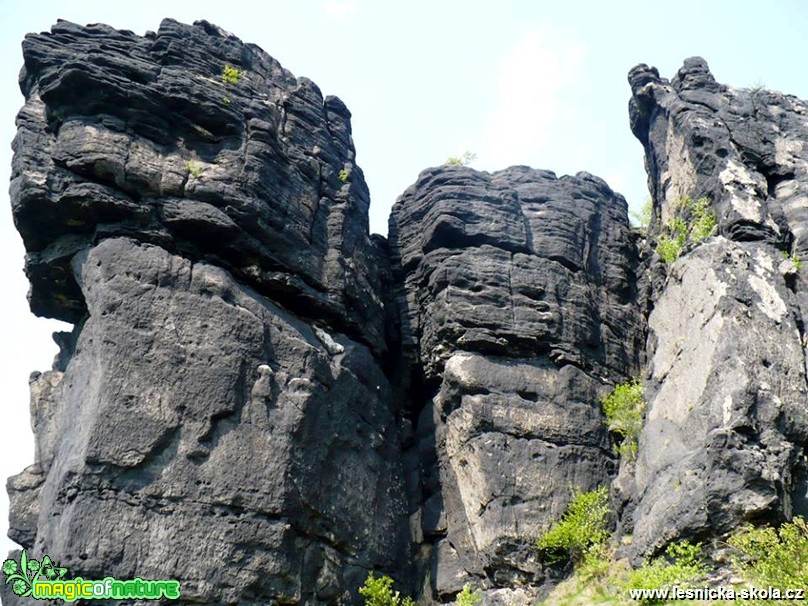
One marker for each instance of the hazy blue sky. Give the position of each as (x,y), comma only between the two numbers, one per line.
(533,82)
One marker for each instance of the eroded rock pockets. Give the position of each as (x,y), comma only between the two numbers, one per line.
(727,423)
(519,306)
(220,414)
(152,138)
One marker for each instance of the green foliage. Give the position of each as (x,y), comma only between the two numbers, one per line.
(583,525)
(677,232)
(624,409)
(645,214)
(703,219)
(773,557)
(469,596)
(379,592)
(343,175)
(681,567)
(231,75)
(595,564)
(464,160)
(193,168)
(669,245)
(603,580)
(794,258)
(227,100)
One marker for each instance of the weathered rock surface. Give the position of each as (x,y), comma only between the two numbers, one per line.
(262,401)
(724,440)
(518,263)
(141,136)
(518,296)
(219,415)
(202,433)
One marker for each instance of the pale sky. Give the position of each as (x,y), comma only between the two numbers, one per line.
(533,82)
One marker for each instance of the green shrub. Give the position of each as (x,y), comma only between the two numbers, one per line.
(469,596)
(584,525)
(227,100)
(231,75)
(379,592)
(777,558)
(677,232)
(670,244)
(343,176)
(682,567)
(464,160)
(596,563)
(703,219)
(624,409)
(193,168)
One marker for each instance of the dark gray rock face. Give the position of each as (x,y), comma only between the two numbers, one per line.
(143,137)
(220,414)
(202,433)
(724,440)
(518,297)
(264,402)
(519,264)
(743,149)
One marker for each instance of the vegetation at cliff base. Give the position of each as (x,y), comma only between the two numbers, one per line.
(762,557)
(681,566)
(624,409)
(583,526)
(469,596)
(769,557)
(378,591)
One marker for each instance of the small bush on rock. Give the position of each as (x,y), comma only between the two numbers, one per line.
(469,596)
(193,169)
(464,160)
(231,75)
(624,409)
(677,232)
(644,215)
(703,219)
(794,258)
(378,591)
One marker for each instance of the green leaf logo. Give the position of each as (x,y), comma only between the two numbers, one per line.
(22,576)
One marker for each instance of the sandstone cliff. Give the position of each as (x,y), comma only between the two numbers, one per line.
(220,412)
(265,403)
(725,433)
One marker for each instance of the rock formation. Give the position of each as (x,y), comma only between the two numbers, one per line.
(725,433)
(262,401)
(518,303)
(220,413)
